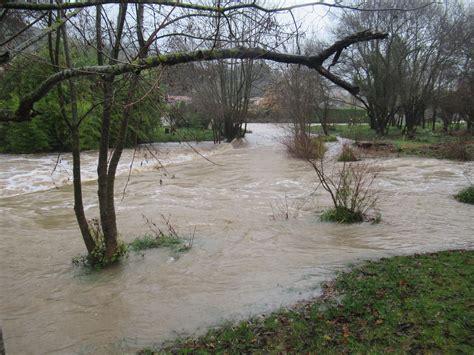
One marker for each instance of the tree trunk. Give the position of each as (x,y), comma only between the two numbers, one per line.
(78,203)
(107,222)
(111,242)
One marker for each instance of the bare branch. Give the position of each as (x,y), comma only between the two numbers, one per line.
(8,56)
(314,62)
(73,5)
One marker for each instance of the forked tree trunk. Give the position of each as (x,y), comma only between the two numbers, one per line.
(111,242)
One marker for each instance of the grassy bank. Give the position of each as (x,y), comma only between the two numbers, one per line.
(416,304)
(183,135)
(426,143)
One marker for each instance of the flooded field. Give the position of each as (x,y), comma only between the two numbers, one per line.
(246,259)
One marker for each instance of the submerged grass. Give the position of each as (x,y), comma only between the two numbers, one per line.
(342,215)
(405,304)
(466,195)
(183,135)
(150,242)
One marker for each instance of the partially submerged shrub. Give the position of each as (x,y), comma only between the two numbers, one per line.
(157,237)
(350,186)
(466,195)
(301,145)
(347,154)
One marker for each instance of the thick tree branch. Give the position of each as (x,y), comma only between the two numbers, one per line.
(314,62)
(89,3)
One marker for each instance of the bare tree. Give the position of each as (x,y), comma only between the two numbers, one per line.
(399,76)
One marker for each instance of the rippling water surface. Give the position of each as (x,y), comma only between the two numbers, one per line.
(246,258)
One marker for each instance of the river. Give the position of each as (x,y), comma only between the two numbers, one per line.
(246,258)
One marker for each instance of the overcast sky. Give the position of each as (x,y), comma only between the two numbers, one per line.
(318,19)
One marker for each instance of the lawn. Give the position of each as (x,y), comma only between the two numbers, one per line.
(405,304)
(183,135)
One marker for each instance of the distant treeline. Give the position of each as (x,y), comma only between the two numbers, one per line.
(334,115)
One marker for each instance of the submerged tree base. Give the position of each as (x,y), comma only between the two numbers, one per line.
(415,304)
(342,215)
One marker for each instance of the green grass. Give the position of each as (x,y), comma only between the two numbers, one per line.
(426,143)
(420,304)
(341,215)
(183,135)
(466,195)
(150,242)
(324,138)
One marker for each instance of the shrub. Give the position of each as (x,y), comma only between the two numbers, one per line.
(466,195)
(349,184)
(301,145)
(347,154)
(457,151)
(350,188)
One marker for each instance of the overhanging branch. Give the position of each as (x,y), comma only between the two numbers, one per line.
(17,5)
(314,62)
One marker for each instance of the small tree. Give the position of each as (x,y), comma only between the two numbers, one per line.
(350,185)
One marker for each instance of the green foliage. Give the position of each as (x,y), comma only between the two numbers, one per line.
(44,132)
(25,137)
(466,195)
(158,237)
(150,242)
(342,215)
(406,304)
(48,130)
(96,259)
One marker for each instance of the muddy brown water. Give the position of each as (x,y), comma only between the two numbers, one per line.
(246,259)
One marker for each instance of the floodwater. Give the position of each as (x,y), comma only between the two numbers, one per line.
(246,259)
